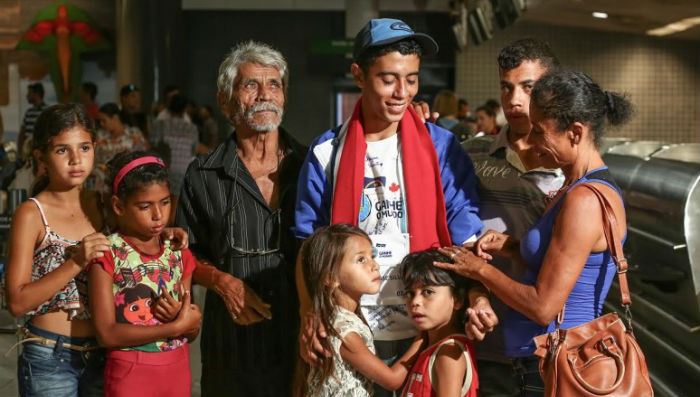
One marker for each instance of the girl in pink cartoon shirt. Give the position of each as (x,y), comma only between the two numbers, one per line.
(140,288)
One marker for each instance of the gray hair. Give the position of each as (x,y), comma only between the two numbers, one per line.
(253,52)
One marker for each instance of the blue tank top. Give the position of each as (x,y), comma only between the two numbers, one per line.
(586,299)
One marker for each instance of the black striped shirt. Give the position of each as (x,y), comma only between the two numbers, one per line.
(30,117)
(226,217)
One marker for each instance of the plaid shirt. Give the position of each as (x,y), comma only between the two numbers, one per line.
(182,137)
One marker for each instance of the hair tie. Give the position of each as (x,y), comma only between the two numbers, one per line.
(128,167)
(611,101)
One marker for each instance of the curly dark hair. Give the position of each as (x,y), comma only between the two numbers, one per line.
(512,55)
(137,178)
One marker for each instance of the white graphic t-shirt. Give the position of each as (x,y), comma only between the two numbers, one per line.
(383,217)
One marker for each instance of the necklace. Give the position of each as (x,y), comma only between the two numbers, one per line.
(549,197)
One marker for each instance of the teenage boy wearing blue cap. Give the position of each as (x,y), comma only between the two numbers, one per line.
(407,183)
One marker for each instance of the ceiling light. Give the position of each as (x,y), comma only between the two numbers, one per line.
(675,27)
(600,15)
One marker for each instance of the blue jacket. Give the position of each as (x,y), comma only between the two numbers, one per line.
(315,189)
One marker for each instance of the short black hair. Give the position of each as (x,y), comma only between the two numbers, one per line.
(404,47)
(418,269)
(36,88)
(462,102)
(170,88)
(493,104)
(486,109)
(111,109)
(178,103)
(90,88)
(512,55)
(137,178)
(127,89)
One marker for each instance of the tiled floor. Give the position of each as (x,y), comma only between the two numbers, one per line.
(8,364)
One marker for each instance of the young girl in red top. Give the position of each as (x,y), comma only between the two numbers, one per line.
(435,300)
(146,336)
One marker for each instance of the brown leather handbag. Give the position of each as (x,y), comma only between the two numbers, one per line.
(600,357)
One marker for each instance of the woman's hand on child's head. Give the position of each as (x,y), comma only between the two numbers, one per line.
(466,264)
(310,346)
(166,308)
(91,247)
(481,320)
(189,319)
(177,236)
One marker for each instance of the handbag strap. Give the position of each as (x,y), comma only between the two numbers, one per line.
(614,241)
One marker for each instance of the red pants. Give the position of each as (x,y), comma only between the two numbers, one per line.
(136,373)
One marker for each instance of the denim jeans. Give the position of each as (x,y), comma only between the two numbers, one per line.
(55,371)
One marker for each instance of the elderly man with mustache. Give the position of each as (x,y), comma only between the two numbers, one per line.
(237,203)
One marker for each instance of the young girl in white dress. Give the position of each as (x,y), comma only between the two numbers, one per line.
(338,268)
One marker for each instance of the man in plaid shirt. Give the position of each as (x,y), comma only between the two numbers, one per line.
(180,136)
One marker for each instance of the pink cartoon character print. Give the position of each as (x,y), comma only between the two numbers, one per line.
(133,305)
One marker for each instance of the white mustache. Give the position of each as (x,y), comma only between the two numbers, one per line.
(261,107)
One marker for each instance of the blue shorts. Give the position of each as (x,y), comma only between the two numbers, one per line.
(56,371)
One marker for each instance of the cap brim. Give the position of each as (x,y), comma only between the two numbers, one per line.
(429,46)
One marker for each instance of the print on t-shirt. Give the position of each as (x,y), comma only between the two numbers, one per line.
(382,216)
(138,279)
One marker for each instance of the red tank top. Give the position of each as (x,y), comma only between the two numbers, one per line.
(420,383)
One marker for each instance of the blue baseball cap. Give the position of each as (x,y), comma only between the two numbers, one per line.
(383,31)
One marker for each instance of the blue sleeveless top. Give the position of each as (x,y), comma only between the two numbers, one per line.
(586,299)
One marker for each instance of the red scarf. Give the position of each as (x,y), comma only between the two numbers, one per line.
(427,219)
